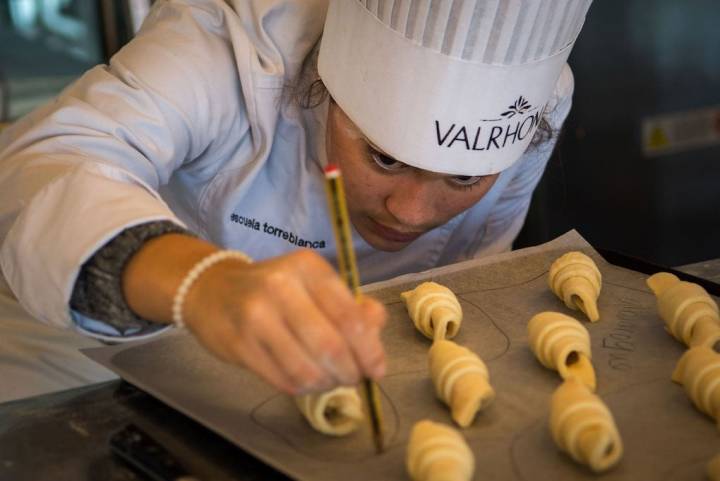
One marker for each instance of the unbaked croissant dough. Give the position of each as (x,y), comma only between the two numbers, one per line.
(461,380)
(336,412)
(690,314)
(576,280)
(698,370)
(561,343)
(713,468)
(437,452)
(434,309)
(582,426)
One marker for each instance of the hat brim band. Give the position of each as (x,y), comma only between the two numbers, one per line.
(425,108)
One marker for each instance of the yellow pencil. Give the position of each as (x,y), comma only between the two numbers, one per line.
(348,270)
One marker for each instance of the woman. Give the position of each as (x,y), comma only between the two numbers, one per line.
(115,195)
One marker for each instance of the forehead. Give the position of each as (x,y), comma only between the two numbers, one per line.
(348,127)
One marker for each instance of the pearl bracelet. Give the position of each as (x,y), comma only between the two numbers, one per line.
(192,275)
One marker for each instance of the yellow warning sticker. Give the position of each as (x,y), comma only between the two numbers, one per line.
(658,138)
(681,131)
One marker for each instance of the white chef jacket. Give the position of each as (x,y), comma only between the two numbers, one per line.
(187,124)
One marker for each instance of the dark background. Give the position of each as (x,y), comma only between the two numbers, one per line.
(635,59)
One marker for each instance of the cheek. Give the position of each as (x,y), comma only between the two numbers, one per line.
(452,205)
(349,154)
(364,187)
(360,188)
(460,200)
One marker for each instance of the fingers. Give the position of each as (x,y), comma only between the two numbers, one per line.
(291,320)
(293,358)
(262,318)
(223,339)
(358,322)
(368,346)
(319,337)
(258,359)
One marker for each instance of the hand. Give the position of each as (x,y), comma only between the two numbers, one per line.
(289,319)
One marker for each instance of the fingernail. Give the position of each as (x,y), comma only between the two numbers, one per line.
(378,371)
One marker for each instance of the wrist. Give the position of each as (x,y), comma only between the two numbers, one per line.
(152,276)
(194,274)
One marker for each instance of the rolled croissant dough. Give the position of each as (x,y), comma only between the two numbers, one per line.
(561,343)
(336,412)
(576,280)
(437,452)
(582,426)
(461,380)
(434,310)
(690,314)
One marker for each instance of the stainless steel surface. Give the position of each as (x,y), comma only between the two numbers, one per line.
(65,436)
(709,269)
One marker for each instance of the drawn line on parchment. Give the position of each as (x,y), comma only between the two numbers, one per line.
(520,434)
(489,289)
(644,291)
(668,475)
(492,321)
(461,295)
(621,389)
(370,453)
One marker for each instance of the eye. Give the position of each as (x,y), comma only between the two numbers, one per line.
(385,162)
(465,180)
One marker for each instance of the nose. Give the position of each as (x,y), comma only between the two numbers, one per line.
(413,203)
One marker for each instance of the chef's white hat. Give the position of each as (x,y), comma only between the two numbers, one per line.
(451,86)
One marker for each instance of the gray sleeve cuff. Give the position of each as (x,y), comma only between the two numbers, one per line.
(97,293)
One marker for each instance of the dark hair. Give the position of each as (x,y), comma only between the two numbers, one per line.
(308,91)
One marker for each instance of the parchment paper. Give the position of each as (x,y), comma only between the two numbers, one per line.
(665,437)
